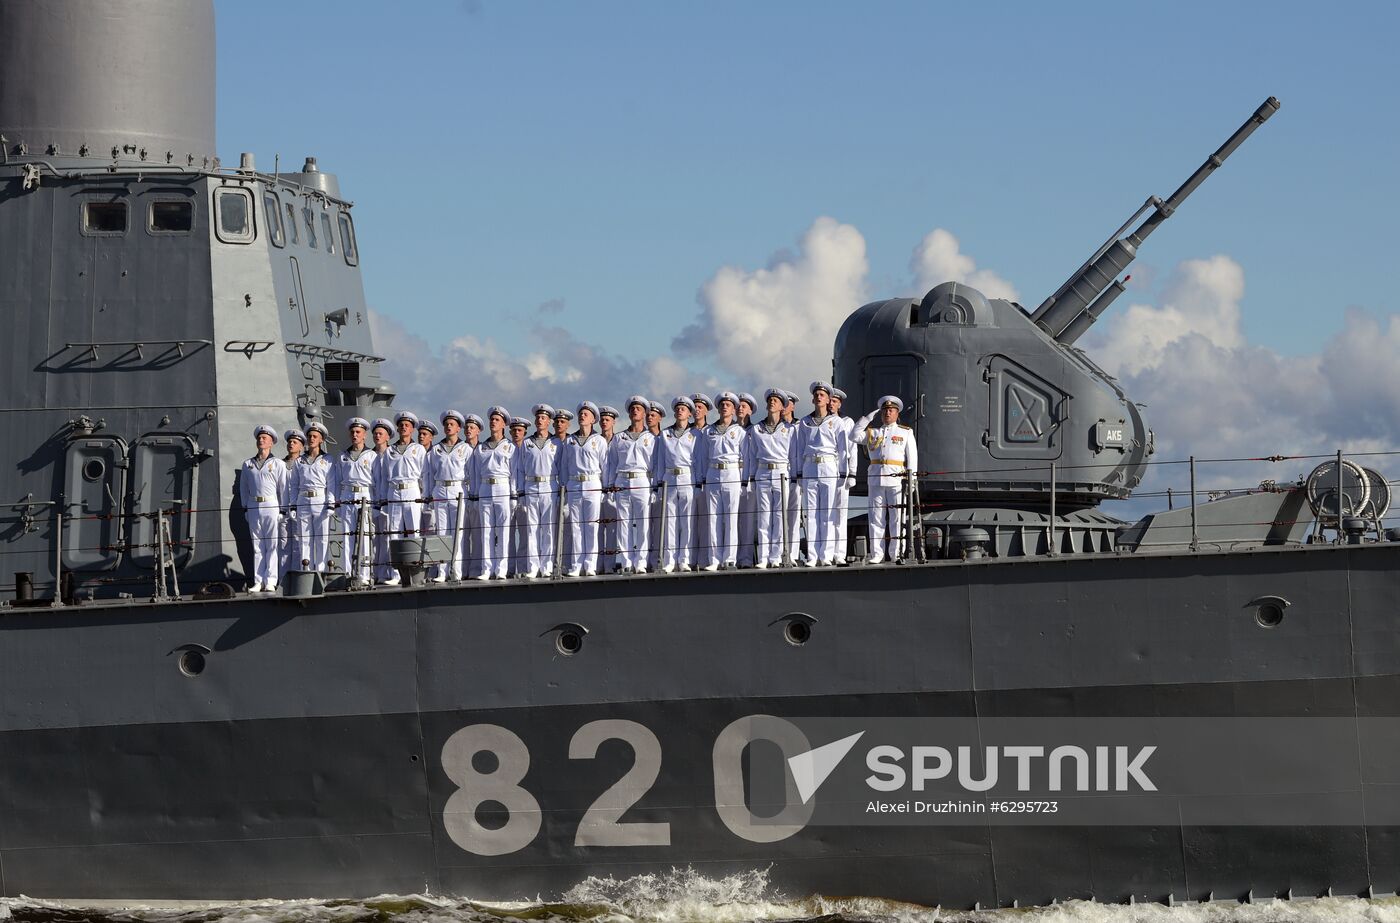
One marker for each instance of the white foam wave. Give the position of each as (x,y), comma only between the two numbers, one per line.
(686,896)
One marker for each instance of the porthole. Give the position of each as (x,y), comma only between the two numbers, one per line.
(568,642)
(1269,615)
(93,469)
(796,627)
(192,662)
(568,638)
(1268,610)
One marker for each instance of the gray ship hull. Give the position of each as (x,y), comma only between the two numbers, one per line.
(310,756)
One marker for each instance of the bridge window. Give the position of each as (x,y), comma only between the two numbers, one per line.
(106,219)
(347,239)
(292,223)
(169,216)
(273,209)
(327,233)
(234,210)
(310,217)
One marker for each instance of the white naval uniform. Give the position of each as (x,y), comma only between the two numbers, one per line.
(819,452)
(581,470)
(379,494)
(446,482)
(537,483)
(722,451)
(261,486)
(352,485)
(288,532)
(308,485)
(893,452)
(403,487)
(675,458)
(843,489)
(493,477)
(770,460)
(745,556)
(630,457)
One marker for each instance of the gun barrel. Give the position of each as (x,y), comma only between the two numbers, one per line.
(1058,313)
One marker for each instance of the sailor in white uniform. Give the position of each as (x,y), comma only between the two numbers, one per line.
(675,457)
(894,457)
(403,478)
(848,476)
(384,572)
(656,415)
(794,500)
(608,560)
(289,553)
(629,469)
(518,427)
(310,485)
(445,479)
(493,473)
(581,469)
(699,531)
(470,524)
(427,432)
(819,451)
(563,541)
(351,485)
(748,404)
(721,452)
(261,484)
(769,444)
(537,484)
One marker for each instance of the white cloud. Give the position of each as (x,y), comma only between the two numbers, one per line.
(1210,393)
(776,325)
(939,258)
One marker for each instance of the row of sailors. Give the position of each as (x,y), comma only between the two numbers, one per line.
(724,494)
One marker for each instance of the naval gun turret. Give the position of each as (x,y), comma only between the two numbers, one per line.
(1008,413)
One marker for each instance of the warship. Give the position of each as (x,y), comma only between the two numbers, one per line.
(165,736)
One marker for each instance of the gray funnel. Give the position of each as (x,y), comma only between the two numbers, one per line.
(135,75)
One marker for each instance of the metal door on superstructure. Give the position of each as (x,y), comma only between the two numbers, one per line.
(881,375)
(163,478)
(94,482)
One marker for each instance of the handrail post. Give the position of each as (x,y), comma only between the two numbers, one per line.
(1339,497)
(1195,539)
(1054,538)
(559,508)
(783,513)
(661,532)
(58,553)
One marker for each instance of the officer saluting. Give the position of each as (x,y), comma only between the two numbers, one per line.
(894,455)
(261,483)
